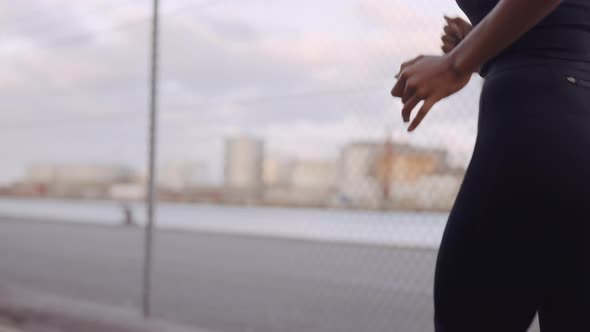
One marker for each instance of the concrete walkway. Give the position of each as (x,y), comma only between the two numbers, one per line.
(27,311)
(5,328)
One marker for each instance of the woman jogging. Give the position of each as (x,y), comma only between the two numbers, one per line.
(517,240)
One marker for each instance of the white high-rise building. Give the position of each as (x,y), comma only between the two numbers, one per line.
(244,157)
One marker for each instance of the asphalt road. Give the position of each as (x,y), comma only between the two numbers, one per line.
(228,283)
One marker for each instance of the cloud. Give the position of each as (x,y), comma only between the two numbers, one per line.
(294,79)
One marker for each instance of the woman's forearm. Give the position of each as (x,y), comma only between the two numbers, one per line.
(505,24)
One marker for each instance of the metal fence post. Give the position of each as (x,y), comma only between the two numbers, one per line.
(151,190)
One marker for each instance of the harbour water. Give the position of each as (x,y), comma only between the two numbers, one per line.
(405,229)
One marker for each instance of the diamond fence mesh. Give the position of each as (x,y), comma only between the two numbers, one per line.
(291,197)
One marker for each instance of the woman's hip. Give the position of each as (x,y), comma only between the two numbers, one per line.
(551,88)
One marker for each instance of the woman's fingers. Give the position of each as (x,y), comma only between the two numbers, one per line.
(463,27)
(398,88)
(446,48)
(448,39)
(454,27)
(409,90)
(449,42)
(407,64)
(411,104)
(428,103)
(408,107)
(454,30)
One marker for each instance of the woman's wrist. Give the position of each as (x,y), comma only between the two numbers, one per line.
(458,65)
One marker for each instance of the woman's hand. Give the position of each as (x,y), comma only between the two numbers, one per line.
(454,32)
(428,79)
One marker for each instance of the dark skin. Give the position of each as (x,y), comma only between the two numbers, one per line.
(455,31)
(431,78)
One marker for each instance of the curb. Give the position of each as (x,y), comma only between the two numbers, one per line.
(27,308)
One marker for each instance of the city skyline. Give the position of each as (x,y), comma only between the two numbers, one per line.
(76,76)
(45,169)
(381,174)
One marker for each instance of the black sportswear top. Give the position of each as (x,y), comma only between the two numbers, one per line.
(563,34)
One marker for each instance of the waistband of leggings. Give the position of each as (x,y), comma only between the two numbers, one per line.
(517,61)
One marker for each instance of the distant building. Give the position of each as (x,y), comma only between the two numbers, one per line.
(410,163)
(431,192)
(314,174)
(77,174)
(310,183)
(41,174)
(379,174)
(357,184)
(179,176)
(76,180)
(277,172)
(244,158)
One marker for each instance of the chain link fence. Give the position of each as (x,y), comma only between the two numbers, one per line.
(291,197)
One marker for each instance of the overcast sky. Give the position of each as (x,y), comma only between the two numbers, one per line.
(307,76)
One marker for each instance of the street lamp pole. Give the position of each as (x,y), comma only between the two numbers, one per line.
(151,189)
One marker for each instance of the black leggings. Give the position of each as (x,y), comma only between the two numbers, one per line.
(517,240)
